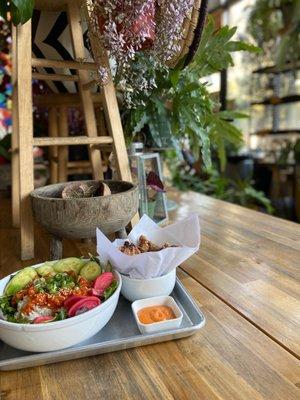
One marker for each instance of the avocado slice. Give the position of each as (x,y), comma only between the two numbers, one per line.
(20,280)
(46,268)
(71,264)
(90,270)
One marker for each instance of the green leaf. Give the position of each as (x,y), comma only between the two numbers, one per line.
(25,9)
(5,153)
(175,72)
(260,197)
(110,290)
(61,315)
(242,46)
(15,14)
(215,47)
(221,152)
(5,306)
(190,87)
(4,9)
(140,124)
(203,142)
(229,115)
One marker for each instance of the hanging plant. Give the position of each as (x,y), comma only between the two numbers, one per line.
(18,11)
(125,27)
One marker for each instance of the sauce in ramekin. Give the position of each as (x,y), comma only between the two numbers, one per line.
(150,315)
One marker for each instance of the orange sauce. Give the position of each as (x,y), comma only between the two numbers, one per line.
(150,315)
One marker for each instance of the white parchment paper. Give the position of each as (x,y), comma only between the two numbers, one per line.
(185,234)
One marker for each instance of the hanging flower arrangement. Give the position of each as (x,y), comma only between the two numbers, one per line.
(127,27)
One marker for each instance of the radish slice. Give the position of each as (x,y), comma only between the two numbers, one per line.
(95,292)
(83,305)
(40,320)
(103,282)
(71,300)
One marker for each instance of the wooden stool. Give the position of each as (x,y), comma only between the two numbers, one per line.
(23,140)
(56,103)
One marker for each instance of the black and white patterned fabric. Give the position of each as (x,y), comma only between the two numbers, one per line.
(51,39)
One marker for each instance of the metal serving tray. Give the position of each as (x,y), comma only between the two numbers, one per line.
(120,333)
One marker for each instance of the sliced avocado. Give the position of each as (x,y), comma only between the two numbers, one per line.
(90,270)
(46,268)
(20,280)
(71,264)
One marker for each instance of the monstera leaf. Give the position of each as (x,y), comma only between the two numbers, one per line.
(20,11)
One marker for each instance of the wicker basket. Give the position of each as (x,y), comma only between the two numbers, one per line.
(192,31)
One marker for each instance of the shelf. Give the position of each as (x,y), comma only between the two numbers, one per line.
(279,132)
(278,100)
(273,69)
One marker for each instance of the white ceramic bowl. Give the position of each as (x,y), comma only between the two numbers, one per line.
(137,289)
(157,326)
(61,334)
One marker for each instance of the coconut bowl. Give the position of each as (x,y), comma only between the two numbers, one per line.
(78,218)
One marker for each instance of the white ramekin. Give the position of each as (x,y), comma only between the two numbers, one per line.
(136,289)
(157,326)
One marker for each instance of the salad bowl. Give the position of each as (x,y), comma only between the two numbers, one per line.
(58,335)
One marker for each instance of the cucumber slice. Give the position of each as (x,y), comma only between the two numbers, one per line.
(46,268)
(71,264)
(90,270)
(20,280)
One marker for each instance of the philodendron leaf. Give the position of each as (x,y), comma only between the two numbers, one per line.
(140,123)
(238,46)
(203,137)
(3,9)
(25,9)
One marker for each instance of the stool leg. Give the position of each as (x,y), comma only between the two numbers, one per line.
(121,234)
(24,107)
(86,98)
(62,157)
(56,248)
(15,194)
(53,150)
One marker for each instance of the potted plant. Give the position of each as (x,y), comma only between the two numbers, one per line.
(179,110)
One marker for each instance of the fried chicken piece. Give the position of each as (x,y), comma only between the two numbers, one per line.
(129,248)
(146,245)
(166,245)
(143,244)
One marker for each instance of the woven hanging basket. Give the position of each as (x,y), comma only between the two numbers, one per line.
(192,28)
(191,32)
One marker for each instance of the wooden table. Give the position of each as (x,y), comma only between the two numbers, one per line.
(245,280)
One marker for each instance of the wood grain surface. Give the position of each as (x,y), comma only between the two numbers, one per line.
(230,358)
(249,260)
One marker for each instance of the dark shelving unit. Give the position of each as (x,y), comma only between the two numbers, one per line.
(273,69)
(264,132)
(274,100)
